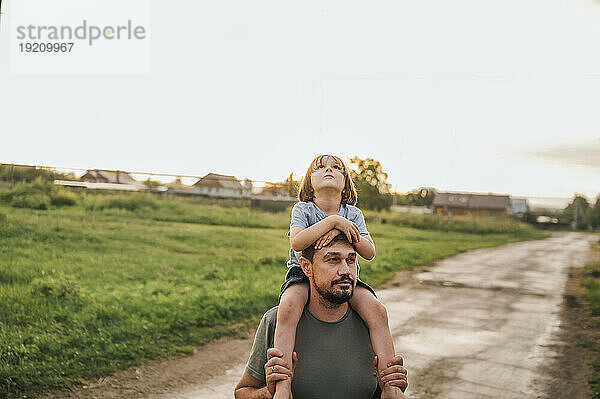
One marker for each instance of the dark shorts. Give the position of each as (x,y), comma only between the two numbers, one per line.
(295,275)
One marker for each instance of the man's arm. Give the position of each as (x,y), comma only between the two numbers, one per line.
(251,388)
(377,393)
(394,375)
(276,369)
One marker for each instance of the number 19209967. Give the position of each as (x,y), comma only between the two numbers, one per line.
(46,47)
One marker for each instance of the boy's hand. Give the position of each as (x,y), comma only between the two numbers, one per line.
(276,369)
(326,238)
(394,375)
(349,228)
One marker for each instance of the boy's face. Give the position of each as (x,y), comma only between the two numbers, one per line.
(329,173)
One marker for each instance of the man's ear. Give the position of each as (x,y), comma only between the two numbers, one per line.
(306,266)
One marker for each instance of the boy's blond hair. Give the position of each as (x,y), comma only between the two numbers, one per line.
(307,193)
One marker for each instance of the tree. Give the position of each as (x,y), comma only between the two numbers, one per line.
(371,183)
(177,183)
(292,186)
(420,197)
(425,196)
(594,214)
(576,213)
(152,183)
(27,174)
(289,188)
(402,199)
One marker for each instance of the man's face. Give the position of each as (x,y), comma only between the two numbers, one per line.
(334,272)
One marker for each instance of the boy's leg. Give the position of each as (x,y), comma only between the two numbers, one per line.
(375,315)
(291,306)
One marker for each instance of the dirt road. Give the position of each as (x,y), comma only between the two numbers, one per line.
(482,324)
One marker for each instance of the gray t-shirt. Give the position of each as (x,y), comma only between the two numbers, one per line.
(335,360)
(305,214)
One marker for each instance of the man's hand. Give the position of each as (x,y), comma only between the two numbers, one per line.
(276,369)
(393,375)
(326,238)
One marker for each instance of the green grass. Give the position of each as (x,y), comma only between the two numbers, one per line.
(38,195)
(182,209)
(592,303)
(463,224)
(104,285)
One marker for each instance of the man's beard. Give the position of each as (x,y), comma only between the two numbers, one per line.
(335,297)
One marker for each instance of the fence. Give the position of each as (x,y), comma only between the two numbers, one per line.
(67,176)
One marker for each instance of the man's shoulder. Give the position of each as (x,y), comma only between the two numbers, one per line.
(263,340)
(271,314)
(269,321)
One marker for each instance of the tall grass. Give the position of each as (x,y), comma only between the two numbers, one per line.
(27,174)
(131,202)
(464,224)
(38,195)
(185,210)
(592,304)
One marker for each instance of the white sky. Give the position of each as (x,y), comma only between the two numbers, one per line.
(472,95)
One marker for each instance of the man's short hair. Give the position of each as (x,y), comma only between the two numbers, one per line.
(309,252)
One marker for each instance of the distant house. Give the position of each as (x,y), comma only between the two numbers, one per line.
(247,188)
(217,185)
(110,176)
(471,204)
(518,206)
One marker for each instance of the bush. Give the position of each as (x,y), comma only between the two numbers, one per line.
(478,225)
(63,198)
(271,205)
(130,202)
(28,174)
(592,296)
(31,200)
(24,189)
(38,195)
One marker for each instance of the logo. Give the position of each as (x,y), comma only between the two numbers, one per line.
(78,36)
(85,31)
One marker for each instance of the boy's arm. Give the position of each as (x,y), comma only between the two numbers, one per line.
(302,238)
(365,247)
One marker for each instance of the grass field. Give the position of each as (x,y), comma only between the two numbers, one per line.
(118,279)
(591,299)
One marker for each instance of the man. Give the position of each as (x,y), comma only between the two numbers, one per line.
(333,356)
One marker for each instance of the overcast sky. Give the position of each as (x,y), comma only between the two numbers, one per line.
(471,95)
